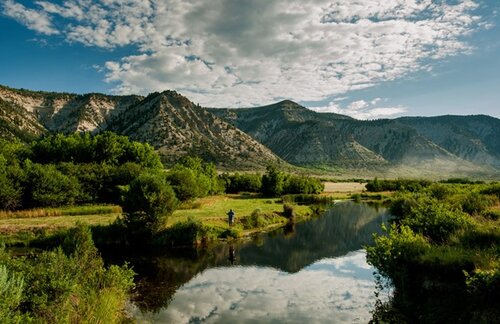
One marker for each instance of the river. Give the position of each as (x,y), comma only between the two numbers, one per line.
(313,272)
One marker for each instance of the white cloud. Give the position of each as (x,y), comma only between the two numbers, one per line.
(337,290)
(362,109)
(36,20)
(243,53)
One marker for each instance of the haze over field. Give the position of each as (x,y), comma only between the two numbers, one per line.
(365,58)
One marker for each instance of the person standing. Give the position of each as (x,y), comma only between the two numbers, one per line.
(230,217)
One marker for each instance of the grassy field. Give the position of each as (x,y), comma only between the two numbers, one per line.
(213,209)
(23,225)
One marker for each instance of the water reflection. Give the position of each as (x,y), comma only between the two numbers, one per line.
(306,270)
(333,290)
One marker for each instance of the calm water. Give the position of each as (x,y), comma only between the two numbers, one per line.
(313,272)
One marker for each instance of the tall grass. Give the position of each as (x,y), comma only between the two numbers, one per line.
(62,211)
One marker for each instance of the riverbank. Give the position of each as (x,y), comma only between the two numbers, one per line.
(205,216)
(253,214)
(442,255)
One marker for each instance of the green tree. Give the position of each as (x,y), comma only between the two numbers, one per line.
(149,201)
(47,187)
(273,181)
(186,185)
(10,194)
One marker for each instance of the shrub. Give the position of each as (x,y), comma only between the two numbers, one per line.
(63,288)
(435,220)
(191,232)
(307,199)
(474,203)
(302,185)
(241,182)
(288,212)
(47,187)
(391,253)
(410,185)
(10,194)
(493,189)
(272,182)
(185,184)
(11,290)
(149,201)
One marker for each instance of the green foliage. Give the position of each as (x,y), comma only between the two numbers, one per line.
(493,189)
(440,233)
(485,283)
(302,185)
(67,169)
(245,182)
(10,194)
(149,201)
(259,219)
(307,199)
(402,204)
(435,220)
(205,172)
(45,186)
(186,185)
(192,232)
(411,185)
(62,288)
(460,181)
(193,178)
(473,203)
(441,191)
(106,148)
(11,290)
(392,252)
(273,182)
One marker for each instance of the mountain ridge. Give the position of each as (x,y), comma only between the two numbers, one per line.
(254,137)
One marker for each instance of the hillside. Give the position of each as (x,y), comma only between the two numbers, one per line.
(462,144)
(170,122)
(249,138)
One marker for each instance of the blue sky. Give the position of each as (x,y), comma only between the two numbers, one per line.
(365,58)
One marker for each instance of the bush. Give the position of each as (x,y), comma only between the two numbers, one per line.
(302,185)
(149,201)
(273,182)
(307,199)
(493,189)
(11,291)
(435,220)
(10,194)
(410,185)
(241,182)
(402,204)
(63,288)
(391,253)
(288,212)
(191,232)
(47,187)
(185,184)
(474,203)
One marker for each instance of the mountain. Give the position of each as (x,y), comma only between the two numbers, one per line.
(304,137)
(168,121)
(177,127)
(249,138)
(474,138)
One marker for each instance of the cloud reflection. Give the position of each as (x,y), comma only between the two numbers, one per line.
(333,290)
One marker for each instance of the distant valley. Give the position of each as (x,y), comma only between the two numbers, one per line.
(251,138)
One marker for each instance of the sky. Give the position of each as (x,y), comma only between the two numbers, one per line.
(364,58)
